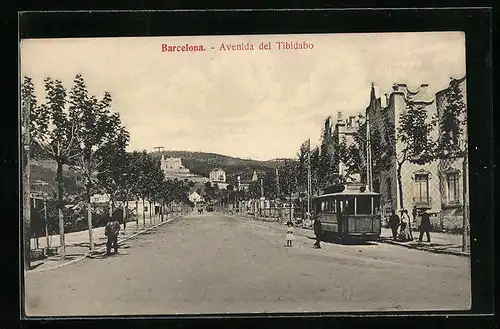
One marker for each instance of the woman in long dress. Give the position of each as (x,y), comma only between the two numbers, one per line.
(405,233)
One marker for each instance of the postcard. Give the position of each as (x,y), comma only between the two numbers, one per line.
(245,174)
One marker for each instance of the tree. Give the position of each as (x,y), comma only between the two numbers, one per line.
(353,156)
(56,133)
(315,170)
(303,159)
(452,141)
(270,186)
(288,178)
(413,134)
(28,102)
(101,138)
(254,190)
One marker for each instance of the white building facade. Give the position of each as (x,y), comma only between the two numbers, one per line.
(217,176)
(434,186)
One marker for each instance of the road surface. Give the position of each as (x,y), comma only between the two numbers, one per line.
(212,263)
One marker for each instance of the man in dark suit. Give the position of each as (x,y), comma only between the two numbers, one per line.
(318,231)
(394,224)
(425,226)
(112,230)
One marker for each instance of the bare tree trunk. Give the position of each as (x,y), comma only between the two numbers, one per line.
(60,206)
(125,214)
(111,206)
(46,224)
(89,217)
(137,212)
(400,186)
(150,217)
(143,214)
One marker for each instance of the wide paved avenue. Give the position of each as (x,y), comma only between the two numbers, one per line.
(213,263)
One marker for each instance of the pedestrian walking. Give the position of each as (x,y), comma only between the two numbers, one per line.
(318,231)
(289,234)
(111,231)
(394,224)
(425,226)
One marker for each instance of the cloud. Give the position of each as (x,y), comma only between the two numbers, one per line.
(247,104)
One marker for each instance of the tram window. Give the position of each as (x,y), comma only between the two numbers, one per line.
(376,203)
(364,206)
(318,207)
(348,208)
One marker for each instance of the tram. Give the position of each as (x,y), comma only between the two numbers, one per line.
(349,211)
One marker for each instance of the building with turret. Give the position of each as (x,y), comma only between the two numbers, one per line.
(419,183)
(174,169)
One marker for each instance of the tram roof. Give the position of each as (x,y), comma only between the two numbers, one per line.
(348,193)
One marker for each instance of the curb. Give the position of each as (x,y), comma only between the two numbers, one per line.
(101,249)
(447,252)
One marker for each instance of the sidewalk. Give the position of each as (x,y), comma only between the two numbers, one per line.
(77,243)
(444,243)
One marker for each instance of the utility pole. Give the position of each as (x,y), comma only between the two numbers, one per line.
(369,179)
(26,184)
(261,188)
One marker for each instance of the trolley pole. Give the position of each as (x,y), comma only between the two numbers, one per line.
(368,156)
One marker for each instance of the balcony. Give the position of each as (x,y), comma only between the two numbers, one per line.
(452,203)
(422,202)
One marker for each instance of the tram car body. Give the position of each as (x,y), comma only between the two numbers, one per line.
(349,211)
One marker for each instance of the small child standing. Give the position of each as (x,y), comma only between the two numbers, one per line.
(289,234)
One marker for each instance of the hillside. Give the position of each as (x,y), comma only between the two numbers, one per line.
(45,171)
(199,163)
(202,163)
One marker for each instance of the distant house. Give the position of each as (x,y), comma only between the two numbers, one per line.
(217,176)
(99,198)
(195,197)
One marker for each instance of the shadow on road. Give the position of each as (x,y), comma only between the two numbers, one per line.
(345,242)
(352,242)
(103,255)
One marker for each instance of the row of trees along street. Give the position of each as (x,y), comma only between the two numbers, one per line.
(79,131)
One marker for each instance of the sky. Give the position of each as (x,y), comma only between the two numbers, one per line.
(259,104)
